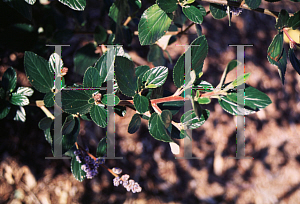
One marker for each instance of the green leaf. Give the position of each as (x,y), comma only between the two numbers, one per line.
(25,91)
(38,72)
(167,6)
(102,147)
(49,99)
(237,82)
(22,7)
(100,34)
(294,61)
(77,5)
(45,123)
(155,76)
(255,100)
(204,86)
(282,20)
(294,21)
(118,10)
(153,25)
(84,58)
(179,18)
(120,110)
(125,75)
(9,80)
(157,128)
(281,64)
(99,115)
(69,139)
(110,98)
(253,4)
(75,101)
(56,63)
(191,121)
(20,114)
(134,124)
(139,72)
(141,103)
(204,100)
(77,172)
(19,99)
(193,14)
(230,66)
(91,80)
(166,118)
(101,64)
(4,108)
(188,2)
(198,54)
(217,11)
(156,55)
(202,10)
(68,125)
(276,46)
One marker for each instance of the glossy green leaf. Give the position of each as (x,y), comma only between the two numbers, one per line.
(100,35)
(157,128)
(156,55)
(22,7)
(9,80)
(191,121)
(155,77)
(101,65)
(166,118)
(237,82)
(193,14)
(198,54)
(188,2)
(230,66)
(68,125)
(75,101)
(102,147)
(167,6)
(141,103)
(276,46)
(4,108)
(217,11)
(110,100)
(84,58)
(255,100)
(204,86)
(92,80)
(294,21)
(204,100)
(31,2)
(118,10)
(253,4)
(25,91)
(49,99)
(202,10)
(281,64)
(76,170)
(77,5)
(99,115)
(70,138)
(134,124)
(20,114)
(19,99)
(45,123)
(139,72)
(153,25)
(282,20)
(125,75)
(38,72)
(294,61)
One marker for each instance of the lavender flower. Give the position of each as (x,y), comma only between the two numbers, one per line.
(88,164)
(130,184)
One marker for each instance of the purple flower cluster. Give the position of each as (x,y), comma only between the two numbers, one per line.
(89,165)
(130,184)
(235,11)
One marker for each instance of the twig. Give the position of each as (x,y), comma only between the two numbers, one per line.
(292,42)
(41,105)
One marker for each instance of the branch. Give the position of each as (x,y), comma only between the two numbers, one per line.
(292,42)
